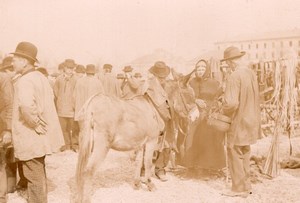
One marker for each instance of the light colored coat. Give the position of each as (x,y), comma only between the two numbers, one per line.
(85,87)
(33,100)
(242,104)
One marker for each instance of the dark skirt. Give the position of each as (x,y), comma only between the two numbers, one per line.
(203,147)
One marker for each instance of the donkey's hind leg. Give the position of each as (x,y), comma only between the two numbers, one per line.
(148,155)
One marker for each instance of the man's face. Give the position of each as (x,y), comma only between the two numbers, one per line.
(231,64)
(19,63)
(68,70)
(107,70)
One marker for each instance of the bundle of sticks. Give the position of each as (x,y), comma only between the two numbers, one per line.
(284,98)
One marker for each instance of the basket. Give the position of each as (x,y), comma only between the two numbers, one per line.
(219,121)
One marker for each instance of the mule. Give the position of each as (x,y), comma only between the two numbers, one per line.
(122,125)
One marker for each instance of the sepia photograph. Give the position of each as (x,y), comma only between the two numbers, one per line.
(151,101)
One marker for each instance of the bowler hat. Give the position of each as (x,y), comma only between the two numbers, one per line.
(160,69)
(107,66)
(137,75)
(127,69)
(26,50)
(120,76)
(232,53)
(90,68)
(69,63)
(6,63)
(80,69)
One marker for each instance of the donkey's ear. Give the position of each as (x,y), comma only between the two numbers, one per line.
(175,75)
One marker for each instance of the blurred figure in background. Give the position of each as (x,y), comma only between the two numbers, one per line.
(7,163)
(63,90)
(109,82)
(86,87)
(130,84)
(80,71)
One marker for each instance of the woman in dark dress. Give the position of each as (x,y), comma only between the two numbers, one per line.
(204,146)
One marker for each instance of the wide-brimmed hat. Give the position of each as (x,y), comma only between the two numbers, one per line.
(232,53)
(127,69)
(90,68)
(160,69)
(26,50)
(107,66)
(6,63)
(80,69)
(70,63)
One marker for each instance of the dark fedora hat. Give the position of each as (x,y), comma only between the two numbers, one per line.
(6,63)
(80,69)
(90,68)
(160,69)
(61,66)
(137,75)
(232,53)
(26,50)
(107,66)
(70,63)
(127,69)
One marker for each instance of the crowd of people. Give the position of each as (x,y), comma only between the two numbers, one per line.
(42,115)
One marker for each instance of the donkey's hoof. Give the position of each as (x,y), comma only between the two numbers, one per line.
(137,185)
(151,187)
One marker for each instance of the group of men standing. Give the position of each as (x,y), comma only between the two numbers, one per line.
(40,119)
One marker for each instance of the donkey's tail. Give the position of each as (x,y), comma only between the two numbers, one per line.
(85,149)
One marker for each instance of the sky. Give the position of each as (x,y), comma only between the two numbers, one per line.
(119,31)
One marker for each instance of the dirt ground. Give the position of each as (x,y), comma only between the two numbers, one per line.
(113,182)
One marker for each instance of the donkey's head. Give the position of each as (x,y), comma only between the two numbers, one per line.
(181,94)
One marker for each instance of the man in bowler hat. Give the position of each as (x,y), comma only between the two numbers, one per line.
(35,127)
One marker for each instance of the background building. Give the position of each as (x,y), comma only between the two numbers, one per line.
(267,46)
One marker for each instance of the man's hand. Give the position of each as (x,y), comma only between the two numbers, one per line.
(194,114)
(40,129)
(6,138)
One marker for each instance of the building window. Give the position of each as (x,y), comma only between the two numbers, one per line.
(264,54)
(281,54)
(265,45)
(256,46)
(256,55)
(291,43)
(219,47)
(299,43)
(249,45)
(273,44)
(241,47)
(281,43)
(273,55)
(299,53)
(249,55)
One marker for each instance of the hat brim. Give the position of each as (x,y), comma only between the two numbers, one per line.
(242,53)
(25,56)
(161,74)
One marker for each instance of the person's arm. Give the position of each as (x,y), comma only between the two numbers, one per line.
(28,107)
(231,95)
